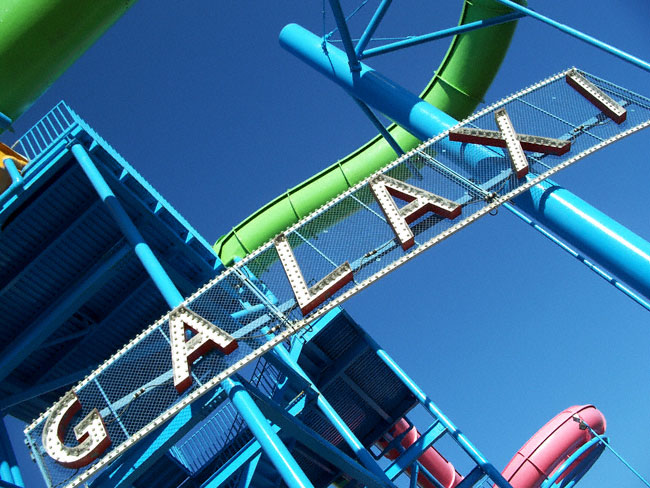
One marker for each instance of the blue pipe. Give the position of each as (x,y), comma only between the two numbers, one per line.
(146,256)
(372,26)
(16,181)
(353,62)
(579,35)
(607,242)
(464,443)
(453,31)
(273,446)
(622,252)
(378,125)
(610,279)
(403,107)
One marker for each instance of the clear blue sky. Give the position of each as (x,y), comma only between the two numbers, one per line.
(500,327)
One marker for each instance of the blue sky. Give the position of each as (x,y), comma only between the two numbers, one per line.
(501,328)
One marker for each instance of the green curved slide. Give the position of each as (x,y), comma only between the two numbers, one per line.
(40,39)
(457,87)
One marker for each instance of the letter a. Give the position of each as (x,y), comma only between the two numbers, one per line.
(419,202)
(91,434)
(310,298)
(207,336)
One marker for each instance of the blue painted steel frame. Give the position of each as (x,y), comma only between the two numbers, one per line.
(615,247)
(280,456)
(143,251)
(441,34)
(433,409)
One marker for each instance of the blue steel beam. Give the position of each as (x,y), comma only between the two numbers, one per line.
(579,35)
(341,23)
(331,414)
(433,409)
(154,216)
(460,29)
(275,449)
(133,464)
(622,252)
(244,456)
(372,27)
(46,323)
(610,279)
(380,127)
(282,459)
(287,363)
(128,228)
(248,472)
(314,442)
(398,104)
(415,450)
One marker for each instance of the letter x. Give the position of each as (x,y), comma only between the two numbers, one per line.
(515,143)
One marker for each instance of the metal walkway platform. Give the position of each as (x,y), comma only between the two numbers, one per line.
(72,291)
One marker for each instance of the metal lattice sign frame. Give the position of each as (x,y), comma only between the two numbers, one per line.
(417,201)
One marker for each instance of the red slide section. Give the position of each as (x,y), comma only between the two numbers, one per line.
(553,444)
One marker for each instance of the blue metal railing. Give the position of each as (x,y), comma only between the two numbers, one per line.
(223,427)
(44,133)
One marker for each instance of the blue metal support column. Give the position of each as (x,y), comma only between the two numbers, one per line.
(342,25)
(282,358)
(625,254)
(578,35)
(378,125)
(433,409)
(271,443)
(315,443)
(130,466)
(128,228)
(9,470)
(335,419)
(372,26)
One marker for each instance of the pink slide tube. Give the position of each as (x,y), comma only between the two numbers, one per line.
(552,445)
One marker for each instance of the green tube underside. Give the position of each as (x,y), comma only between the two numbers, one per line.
(41,39)
(457,87)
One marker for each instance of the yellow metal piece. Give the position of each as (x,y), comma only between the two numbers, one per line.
(20,160)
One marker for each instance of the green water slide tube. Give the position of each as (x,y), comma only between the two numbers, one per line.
(40,39)
(457,87)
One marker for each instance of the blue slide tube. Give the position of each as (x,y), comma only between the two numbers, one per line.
(614,247)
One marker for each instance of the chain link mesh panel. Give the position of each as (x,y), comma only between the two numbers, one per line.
(254,302)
